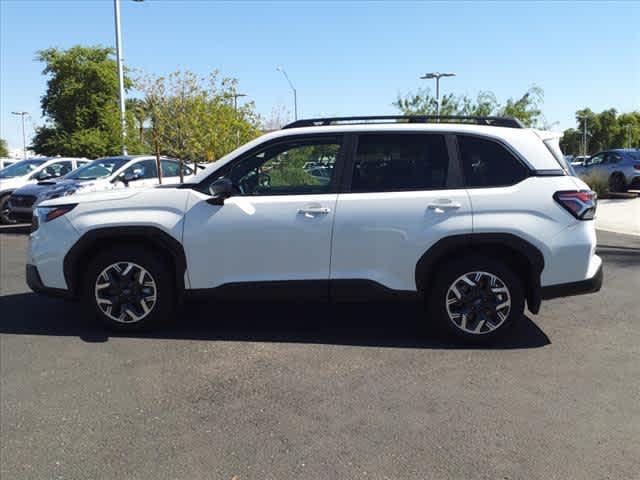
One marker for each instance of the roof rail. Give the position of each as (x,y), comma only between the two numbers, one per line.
(492,121)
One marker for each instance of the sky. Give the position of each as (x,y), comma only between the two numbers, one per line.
(344,58)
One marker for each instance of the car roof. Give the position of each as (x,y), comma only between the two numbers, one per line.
(525,141)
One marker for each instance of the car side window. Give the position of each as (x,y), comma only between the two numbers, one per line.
(169,168)
(397,162)
(612,158)
(299,167)
(57,169)
(595,160)
(486,163)
(143,170)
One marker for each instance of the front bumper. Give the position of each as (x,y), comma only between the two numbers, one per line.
(590,285)
(35,284)
(21,216)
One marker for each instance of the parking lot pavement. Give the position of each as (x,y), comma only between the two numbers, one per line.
(620,215)
(278,391)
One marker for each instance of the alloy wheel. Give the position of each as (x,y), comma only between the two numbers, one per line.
(478,302)
(125,292)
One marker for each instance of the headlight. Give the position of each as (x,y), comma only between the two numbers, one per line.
(46,214)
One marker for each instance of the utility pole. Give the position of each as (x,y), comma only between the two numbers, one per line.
(437,76)
(295,93)
(24,138)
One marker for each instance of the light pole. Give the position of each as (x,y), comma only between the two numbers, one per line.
(437,76)
(235,96)
(24,138)
(235,99)
(295,94)
(123,119)
(584,135)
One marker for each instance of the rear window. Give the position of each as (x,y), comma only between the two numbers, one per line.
(486,163)
(396,162)
(553,145)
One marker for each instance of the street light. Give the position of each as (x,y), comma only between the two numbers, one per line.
(123,120)
(235,108)
(24,139)
(437,76)
(235,99)
(584,135)
(295,94)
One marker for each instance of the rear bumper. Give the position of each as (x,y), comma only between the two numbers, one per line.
(35,284)
(590,285)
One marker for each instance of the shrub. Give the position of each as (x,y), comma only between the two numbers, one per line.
(597,182)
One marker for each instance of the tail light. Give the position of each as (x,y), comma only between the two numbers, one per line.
(579,203)
(636,166)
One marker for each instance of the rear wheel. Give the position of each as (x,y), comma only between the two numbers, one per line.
(4,211)
(129,289)
(477,299)
(617,183)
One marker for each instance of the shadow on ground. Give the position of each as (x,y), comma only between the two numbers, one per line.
(365,324)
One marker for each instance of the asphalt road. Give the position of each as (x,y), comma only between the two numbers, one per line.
(280,391)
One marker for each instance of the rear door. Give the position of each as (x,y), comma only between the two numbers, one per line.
(402,193)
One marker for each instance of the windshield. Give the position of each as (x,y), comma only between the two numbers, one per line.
(100,168)
(20,169)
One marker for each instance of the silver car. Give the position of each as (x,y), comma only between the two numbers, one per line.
(621,167)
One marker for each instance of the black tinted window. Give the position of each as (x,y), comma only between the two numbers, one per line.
(400,162)
(488,164)
(143,170)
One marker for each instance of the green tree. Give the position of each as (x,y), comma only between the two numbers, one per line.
(80,104)
(4,151)
(194,118)
(606,129)
(525,108)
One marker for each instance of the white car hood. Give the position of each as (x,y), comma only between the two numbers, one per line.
(101,196)
(11,183)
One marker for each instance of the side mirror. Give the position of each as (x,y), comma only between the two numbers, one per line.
(219,190)
(128,177)
(42,175)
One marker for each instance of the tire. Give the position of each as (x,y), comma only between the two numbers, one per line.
(4,211)
(118,300)
(469,312)
(617,183)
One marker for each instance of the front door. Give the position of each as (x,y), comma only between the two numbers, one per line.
(278,226)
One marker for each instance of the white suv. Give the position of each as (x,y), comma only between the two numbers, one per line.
(476,218)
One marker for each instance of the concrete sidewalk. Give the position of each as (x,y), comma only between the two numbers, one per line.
(619,215)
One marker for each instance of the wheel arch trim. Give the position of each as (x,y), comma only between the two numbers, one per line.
(449,245)
(154,235)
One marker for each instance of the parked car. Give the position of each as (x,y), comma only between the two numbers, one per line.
(107,173)
(31,171)
(621,168)
(5,162)
(580,160)
(475,220)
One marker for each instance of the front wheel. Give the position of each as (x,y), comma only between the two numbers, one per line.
(129,288)
(477,299)
(5,219)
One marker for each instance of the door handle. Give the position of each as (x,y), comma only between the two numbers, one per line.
(310,211)
(442,206)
